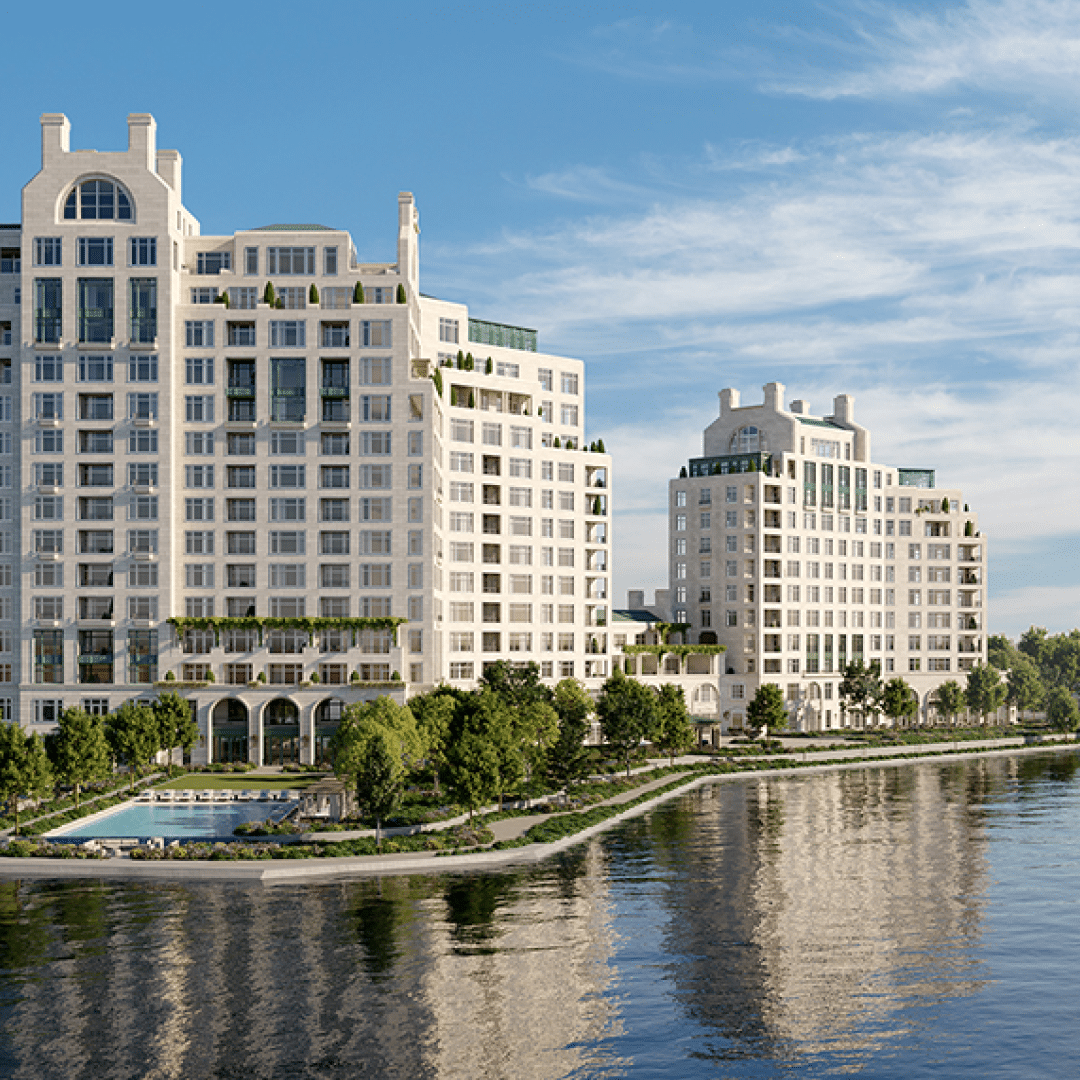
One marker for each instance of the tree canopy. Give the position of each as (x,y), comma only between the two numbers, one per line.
(627,712)
(766,709)
(81,751)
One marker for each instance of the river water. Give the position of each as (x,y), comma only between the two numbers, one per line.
(901,922)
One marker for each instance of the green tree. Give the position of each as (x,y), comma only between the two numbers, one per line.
(176,724)
(985,691)
(358,293)
(81,751)
(516,684)
(948,699)
(386,713)
(484,760)
(472,770)
(766,709)
(379,778)
(1024,687)
(1061,711)
(860,688)
(434,712)
(898,701)
(269,296)
(24,768)
(568,758)
(400,293)
(536,729)
(673,732)
(627,713)
(133,734)
(313,295)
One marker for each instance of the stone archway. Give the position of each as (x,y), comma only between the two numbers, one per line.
(328,714)
(229,731)
(281,732)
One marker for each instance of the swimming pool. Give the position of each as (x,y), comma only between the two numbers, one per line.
(175,821)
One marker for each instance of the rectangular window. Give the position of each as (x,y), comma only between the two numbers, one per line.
(288,334)
(213,262)
(48,251)
(251,260)
(143,441)
(143,367)
(290,260)
(95,251)
(198,443)
(96,323)
(288,382)
(376,334)
(143,310)
(198,476)
(198,509)
(375,371)
(288,510)
(199,370)
(199,408)
(144,406)
(48,310)
(95,369)
(142,251)
(199,333)
(375,510)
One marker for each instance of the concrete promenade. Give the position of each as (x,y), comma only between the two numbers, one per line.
(329,868)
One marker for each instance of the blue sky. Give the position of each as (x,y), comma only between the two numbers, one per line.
(854,197)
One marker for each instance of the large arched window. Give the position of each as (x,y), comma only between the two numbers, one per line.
(98,200)
(748,440)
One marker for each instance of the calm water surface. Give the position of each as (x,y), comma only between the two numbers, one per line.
(888,922)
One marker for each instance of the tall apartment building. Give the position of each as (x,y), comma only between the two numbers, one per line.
(250,429)
(799,553)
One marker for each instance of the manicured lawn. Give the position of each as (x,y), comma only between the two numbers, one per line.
(240,782)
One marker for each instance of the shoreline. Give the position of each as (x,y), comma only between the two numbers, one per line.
(331,868)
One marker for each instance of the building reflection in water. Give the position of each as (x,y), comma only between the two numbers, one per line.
(823,915)
(414,977)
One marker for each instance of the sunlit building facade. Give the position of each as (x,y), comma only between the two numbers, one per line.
(790,545)
(261,471)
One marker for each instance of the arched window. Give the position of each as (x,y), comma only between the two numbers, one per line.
(330,711)
(748,440)
(281,713)
(98,200)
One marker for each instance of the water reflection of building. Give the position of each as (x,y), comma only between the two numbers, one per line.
(527,994)
(814,911)
(406,977)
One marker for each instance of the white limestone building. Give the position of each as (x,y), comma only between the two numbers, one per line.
(790,545)
(181,445)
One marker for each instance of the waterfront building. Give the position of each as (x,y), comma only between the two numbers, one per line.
(271,475)
(798,552)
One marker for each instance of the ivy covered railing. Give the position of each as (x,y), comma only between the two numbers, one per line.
(681,651)
(310,625)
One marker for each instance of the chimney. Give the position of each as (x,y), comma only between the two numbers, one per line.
(774,396)
(844,409)
(408,247)
(168,168)
(55,136)
(142,139)
(800,407)
(729,399)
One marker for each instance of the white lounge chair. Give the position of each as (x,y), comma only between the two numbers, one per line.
(166,796)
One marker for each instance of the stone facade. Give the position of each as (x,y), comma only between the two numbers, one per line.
(182,444)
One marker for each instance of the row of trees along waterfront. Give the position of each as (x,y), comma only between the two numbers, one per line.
(85,749)
(1040,672)
(510,735)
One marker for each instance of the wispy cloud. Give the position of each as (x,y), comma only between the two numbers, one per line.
(998,45)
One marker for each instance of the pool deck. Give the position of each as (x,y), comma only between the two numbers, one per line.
(284,872)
